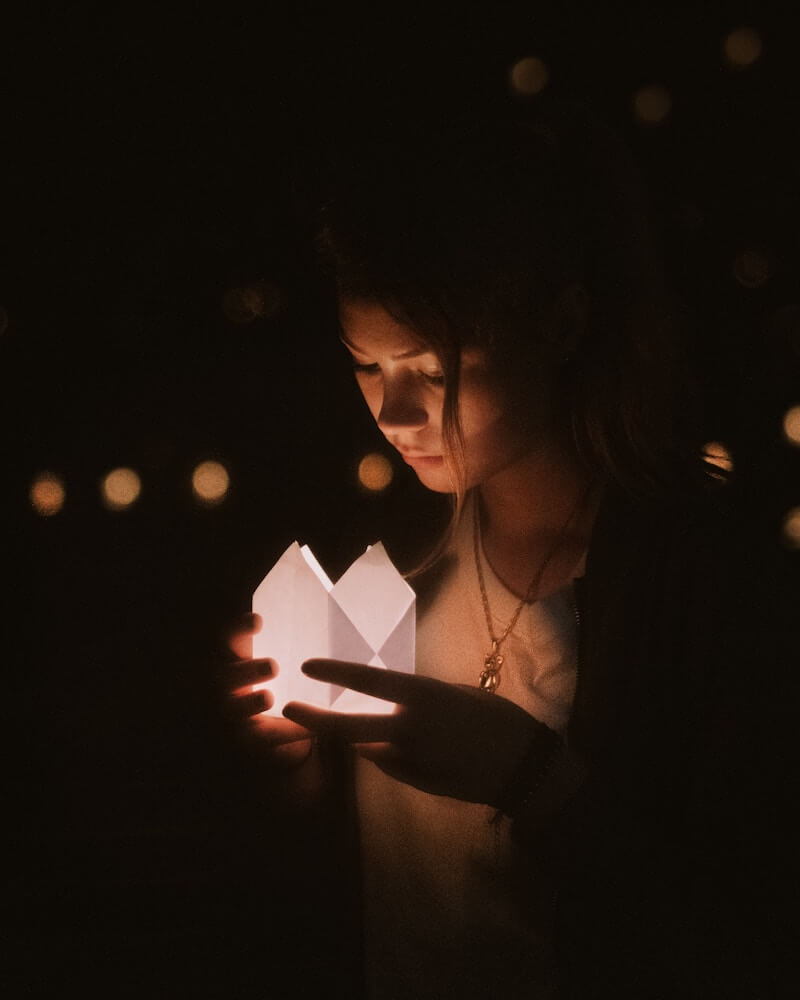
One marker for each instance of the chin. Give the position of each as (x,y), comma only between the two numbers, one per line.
(435,480)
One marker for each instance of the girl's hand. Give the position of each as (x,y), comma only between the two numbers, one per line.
(446,739)
(277,739)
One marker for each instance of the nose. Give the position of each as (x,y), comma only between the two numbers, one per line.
(401,408)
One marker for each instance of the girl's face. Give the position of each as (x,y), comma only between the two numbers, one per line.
(402,382)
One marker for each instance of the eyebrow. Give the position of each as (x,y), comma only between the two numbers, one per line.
(415,352)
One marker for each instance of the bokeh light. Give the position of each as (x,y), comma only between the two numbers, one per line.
(528,76)
(120,488)
(652,104)
(791,425)
(375,472)
(210,482)
(254,300)
(742,47)
(751,268)
(791,528)
(47,494)
(717,453)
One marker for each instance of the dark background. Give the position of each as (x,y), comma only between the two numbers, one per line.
(153,162)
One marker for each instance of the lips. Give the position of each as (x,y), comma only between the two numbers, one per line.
(413,459)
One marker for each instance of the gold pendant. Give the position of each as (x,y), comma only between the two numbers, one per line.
(489,680)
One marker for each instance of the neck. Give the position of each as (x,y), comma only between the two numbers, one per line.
(542,499)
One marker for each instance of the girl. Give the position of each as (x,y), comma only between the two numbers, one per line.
(547,812)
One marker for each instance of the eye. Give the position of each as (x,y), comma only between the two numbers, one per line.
(361,369)
(434,378)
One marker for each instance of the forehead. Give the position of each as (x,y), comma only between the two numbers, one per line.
(369,328)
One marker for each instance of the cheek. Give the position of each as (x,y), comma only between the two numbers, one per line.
(481,413)
(492,431)
(373,395)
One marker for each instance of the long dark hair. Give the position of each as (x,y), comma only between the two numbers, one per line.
(523,235)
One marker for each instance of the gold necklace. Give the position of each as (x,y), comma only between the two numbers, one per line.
(489,679)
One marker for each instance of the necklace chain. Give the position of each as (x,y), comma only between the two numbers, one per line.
(489,679)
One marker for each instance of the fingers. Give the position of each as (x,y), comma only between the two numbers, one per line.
(276,731)
(390,685)
(245,672)
(352,728)
(244,701)
(240,641)
(245,705)
(291,754)
(251,622)
(388,758)
(277,742)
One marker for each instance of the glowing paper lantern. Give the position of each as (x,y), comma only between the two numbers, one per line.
(368,616)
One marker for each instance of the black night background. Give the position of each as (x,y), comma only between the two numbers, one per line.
(160,309)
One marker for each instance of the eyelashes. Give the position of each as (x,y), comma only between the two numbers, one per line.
(432,378)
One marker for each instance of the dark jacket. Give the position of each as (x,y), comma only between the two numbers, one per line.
(676,868)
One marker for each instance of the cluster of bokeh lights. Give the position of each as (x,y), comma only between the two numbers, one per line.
(210,482)
(122,487)
(528,77)
(651,104)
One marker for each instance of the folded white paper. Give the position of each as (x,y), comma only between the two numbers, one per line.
(368,616)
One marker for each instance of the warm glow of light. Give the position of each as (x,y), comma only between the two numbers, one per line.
(791,425)
(47,494)
(240,642)
(751,268)
(652,104)
(528,76)
(716,453)
(375,472)
(791,528)
(258,299)
(120,489)
(742,47)
(210,482)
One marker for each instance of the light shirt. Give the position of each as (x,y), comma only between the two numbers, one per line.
(451,907)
